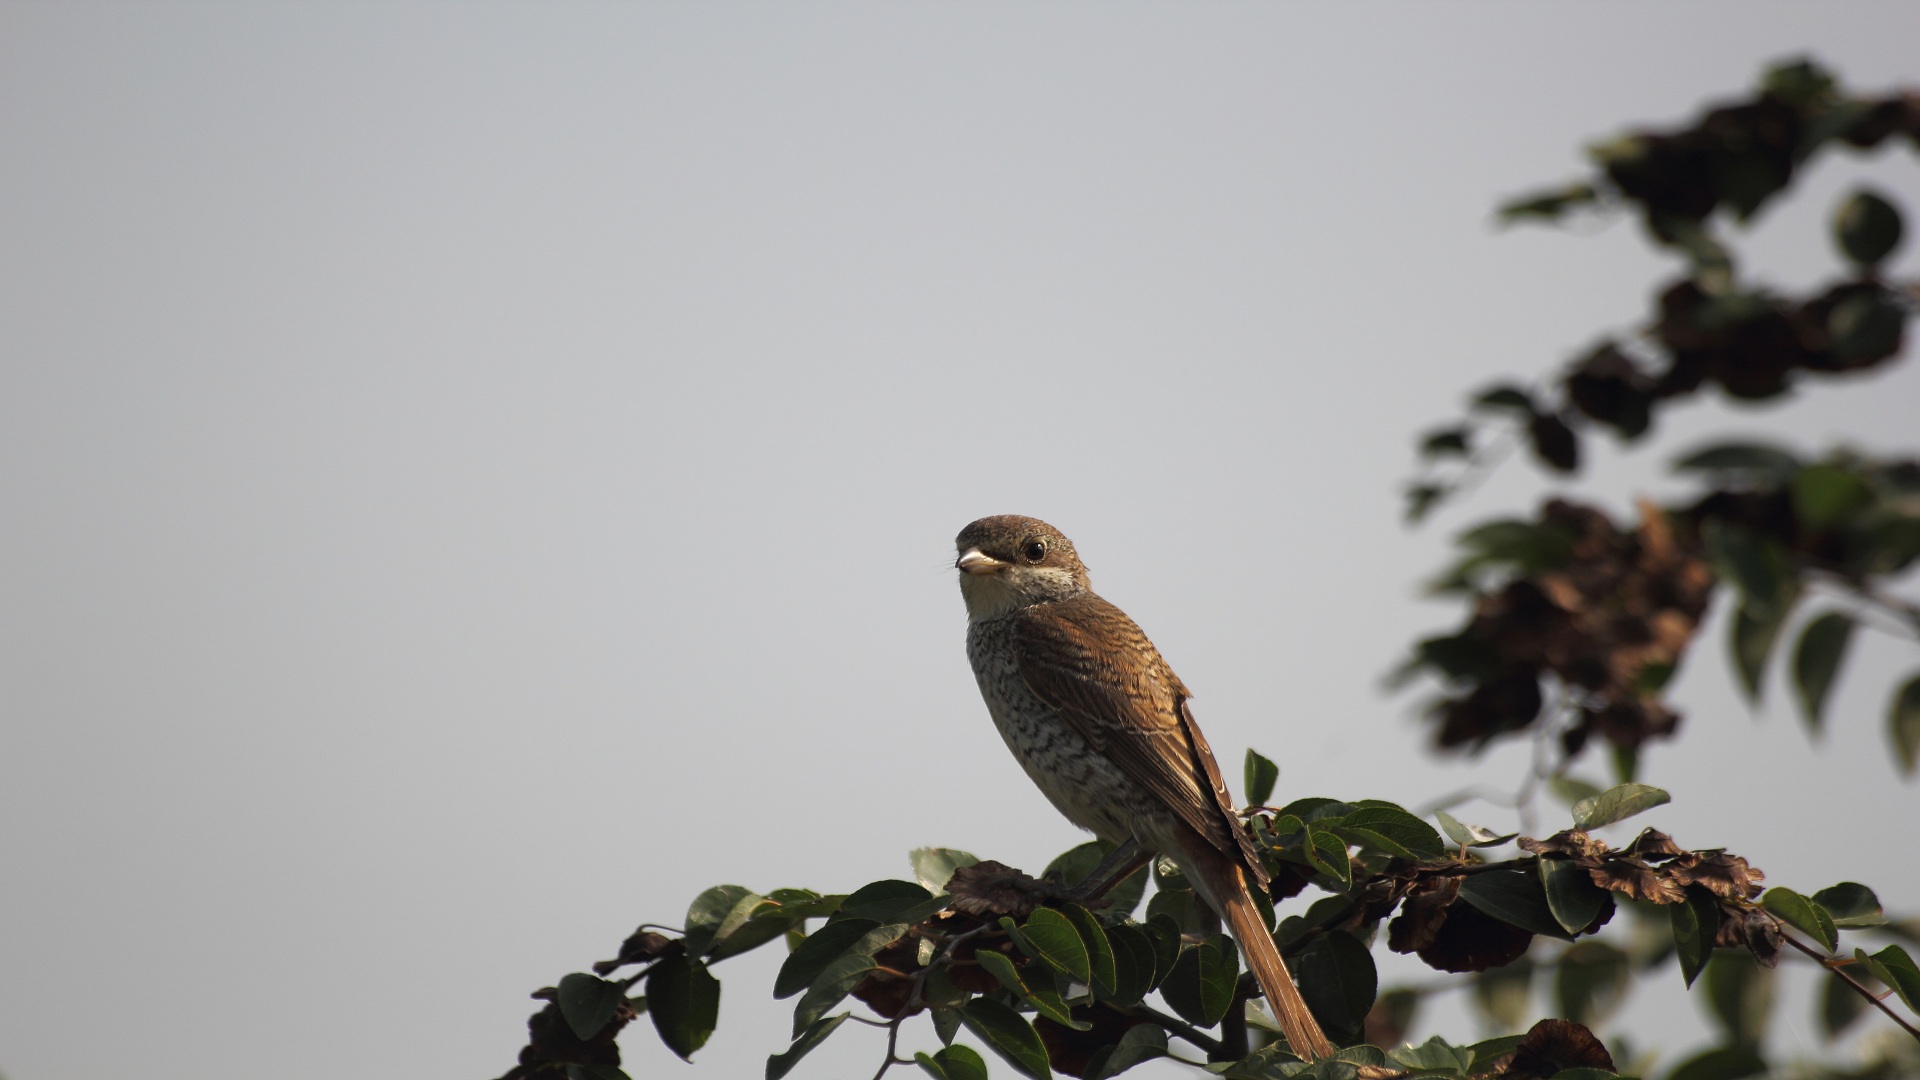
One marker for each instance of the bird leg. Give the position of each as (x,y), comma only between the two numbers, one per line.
(1119,865)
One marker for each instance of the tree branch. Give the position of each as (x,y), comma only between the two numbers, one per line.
(1840,973)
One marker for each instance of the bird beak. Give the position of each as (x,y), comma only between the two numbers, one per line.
(975,561)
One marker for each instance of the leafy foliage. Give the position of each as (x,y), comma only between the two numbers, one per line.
(1576,622)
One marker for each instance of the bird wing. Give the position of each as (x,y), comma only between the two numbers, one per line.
(1093,664)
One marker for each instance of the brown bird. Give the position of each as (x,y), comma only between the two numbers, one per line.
(1100,723)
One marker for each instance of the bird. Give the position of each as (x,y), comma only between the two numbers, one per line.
(1101,724)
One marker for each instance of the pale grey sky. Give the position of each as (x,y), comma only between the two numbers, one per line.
(478,474)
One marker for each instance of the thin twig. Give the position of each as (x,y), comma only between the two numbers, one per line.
(1859,988)
(1174,1027)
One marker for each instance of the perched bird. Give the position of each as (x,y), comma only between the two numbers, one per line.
(1100,723)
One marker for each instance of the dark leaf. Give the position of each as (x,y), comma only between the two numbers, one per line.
(1505,397)
(684,1000)
(1866,328)
(1755,459)
(1895,968)
(1721,1063)
(819,949)
(1825,495)
(1397,827)
(779,1065)
(587,1003)
(1554,443)
(1133,964)
(885,902)
(1592,981)
(1867,228)
(1445,442)
(1100,959)
(1072,866)
(1903,725)
(1338,979)
(1851,904)
(1435,1055)
(708,911)
(1049,936)
(1571,894)
(1617,804)
(1840,1005)
(841,974)
(1548,205)
(1142,1042)
(1200,987)
(933,866)
(1043,997)
(1260,777)
(1514,897)
(957,1062)
(1009,1035)
(596,1072)
(1696,923)
(1803,915)
(1327,853)
(1750,638)
(1816,662)
(1503,993)
(1739,994)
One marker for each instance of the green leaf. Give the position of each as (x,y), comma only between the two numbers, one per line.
(1072,866)
(1044,999)
(1327,853)
(1840,1006)
(1008,1034)
(683,999)
(1758,459)
(1571,789)
(1816,661)
(1617,804)
(1895,968)
(1049,936)
(1750,637)
(1200,987)
(1142,1042)
(1803,915)
(1571,894)
(1824,495)
(1470,835)
(1487,1050)
(596,1072)
(1261,774)
(1758,565)
(1851,904)
(1394,832)
(1865,327)
(933,866)
(885,901)
(1503,993)
(587,1003)
(1338,979)
(819,949)
(1739,994)
(1591,981)
(841,974)
(1515,898)
(708,911)
(1133,964)
(1164,933)
(1434,1055)
(1695,924)
(1903,725)
(1866,227)
(1100,959)
(779,1065)
(1721,1063)
(957,1062)
(1505,397)
(1548,205)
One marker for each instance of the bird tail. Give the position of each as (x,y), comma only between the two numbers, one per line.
(1224,883)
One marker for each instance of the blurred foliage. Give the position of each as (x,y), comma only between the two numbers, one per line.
(1576,621)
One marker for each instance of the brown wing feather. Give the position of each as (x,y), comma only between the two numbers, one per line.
(1087,659)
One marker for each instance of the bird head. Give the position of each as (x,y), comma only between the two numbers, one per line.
(1008,562)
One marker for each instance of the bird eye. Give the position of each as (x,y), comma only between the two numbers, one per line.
(1034,550)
